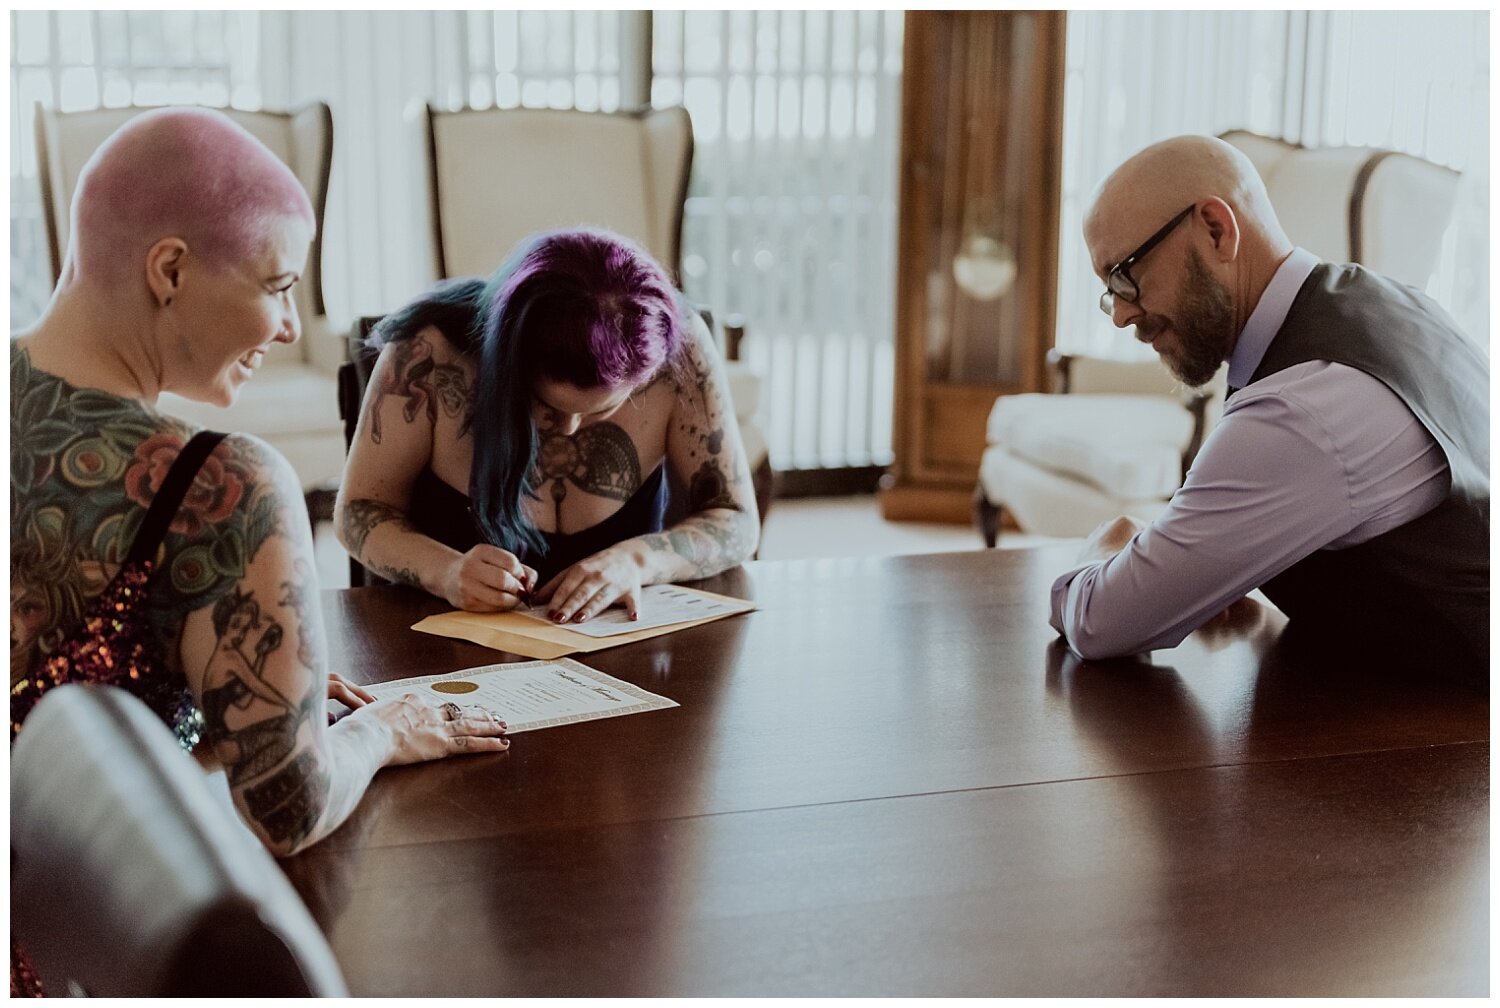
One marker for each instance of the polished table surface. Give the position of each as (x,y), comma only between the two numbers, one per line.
(892,778)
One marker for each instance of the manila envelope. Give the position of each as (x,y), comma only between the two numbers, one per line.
(533,638)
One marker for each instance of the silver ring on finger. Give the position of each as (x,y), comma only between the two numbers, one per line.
(451,711)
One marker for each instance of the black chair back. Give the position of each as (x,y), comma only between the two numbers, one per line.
(354,376)
(131,876)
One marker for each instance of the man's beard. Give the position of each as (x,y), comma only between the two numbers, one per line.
(1204,326)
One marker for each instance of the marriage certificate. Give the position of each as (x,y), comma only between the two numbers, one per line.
(661,605)
(534,694)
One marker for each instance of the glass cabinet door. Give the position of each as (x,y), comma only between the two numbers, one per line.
(981,159)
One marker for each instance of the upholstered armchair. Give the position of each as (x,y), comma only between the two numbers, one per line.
(499,175)
(1116,437)
(1120,437)
(292,401)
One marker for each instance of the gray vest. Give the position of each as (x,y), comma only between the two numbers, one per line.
(1419,593)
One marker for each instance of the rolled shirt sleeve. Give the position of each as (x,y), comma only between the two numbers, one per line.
(1320,455)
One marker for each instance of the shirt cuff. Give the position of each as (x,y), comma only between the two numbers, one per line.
(1060,596)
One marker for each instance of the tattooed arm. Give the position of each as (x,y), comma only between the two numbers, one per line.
(418,397)
(722,527)
(255,659)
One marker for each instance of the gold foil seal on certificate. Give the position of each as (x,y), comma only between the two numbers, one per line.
(454,686)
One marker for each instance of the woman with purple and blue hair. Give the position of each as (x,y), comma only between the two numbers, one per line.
(517,435)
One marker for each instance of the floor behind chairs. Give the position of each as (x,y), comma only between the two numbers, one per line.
(852,526)
(796,528)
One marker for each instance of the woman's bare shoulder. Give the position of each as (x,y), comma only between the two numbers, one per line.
(429,343)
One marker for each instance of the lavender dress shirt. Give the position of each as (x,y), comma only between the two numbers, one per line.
(1317,456)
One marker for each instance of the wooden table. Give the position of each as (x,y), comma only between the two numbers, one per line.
(892,779)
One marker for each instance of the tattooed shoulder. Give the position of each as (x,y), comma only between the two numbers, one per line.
(426,374)
(85,467)
(244,496)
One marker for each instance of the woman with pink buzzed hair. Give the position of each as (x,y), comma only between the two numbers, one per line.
(169,561)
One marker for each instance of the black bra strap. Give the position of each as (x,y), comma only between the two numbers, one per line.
(168,499)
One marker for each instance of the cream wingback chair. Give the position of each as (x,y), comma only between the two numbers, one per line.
(499,175)
(1121,440)
(292,401)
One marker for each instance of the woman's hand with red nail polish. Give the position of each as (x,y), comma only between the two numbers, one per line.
(584,590)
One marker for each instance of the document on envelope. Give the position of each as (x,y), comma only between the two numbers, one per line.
(534,694)
(524,634)
(661,605)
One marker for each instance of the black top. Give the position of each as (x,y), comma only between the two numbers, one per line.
(443,513)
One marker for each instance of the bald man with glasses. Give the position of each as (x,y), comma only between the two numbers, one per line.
(1349,475)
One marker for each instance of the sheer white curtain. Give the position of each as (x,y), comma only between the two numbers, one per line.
(376,69)
(1412,81)
(791,213)
(1420,83)
(790,220)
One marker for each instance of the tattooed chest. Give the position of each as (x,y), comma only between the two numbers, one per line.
(600,460)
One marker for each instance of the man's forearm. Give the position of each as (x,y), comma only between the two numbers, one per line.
(1101,632)
(1098,624)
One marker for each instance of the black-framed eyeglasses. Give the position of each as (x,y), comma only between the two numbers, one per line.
(1118,283)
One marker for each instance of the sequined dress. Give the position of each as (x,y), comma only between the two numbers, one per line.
(114,644)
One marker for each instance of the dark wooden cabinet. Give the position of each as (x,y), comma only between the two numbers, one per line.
(981,150)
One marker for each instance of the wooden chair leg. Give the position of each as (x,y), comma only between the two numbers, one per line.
(986,517)
(319,504)
(762,480)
